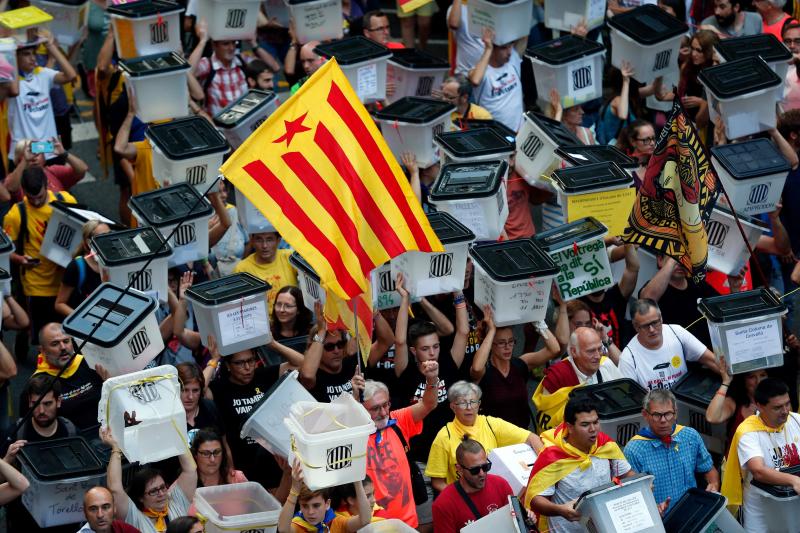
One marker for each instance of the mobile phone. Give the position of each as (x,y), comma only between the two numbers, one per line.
(42,147)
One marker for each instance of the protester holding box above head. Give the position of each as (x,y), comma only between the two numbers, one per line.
(465,400)
(149,503)
(585,365)
(763,444)
(468,47)
(671,452)
(498,82)
(581,458)
(656,358)
(571,117)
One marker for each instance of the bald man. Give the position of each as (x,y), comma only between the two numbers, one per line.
(310,61)
(98,507)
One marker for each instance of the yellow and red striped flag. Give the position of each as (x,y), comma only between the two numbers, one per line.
(342,314)
(322,174)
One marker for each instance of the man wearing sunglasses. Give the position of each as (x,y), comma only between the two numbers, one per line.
(475,493)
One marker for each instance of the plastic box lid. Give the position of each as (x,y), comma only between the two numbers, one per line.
(565,235)
(564,49)
(475,143)
(415,110)
(57,459)
(750,159)
(300,263)
(448,229)
(648,24)
(153,64)
(6,245)
(587,178)
(693,512)
(4,274)
(130,246)
(459,181)
(229,288)
(554,129)
(248,104)
(412,58)
(614,399)
(779,491)
(583,154)
(352,50)
(144,8)
(24,17)
(474,124)
(187,138)
(125,316)
(739,77)
(168,206)
(740,305)
(100,449)
(513,260)
(765,45)
(697,387)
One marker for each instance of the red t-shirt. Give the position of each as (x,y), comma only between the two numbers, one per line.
(519,223)
(451,513)
(387,465)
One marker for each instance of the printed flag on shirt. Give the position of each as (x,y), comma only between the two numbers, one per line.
(677,195)
(344,315)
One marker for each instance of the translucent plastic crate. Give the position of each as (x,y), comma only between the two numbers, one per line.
(537,140)
(571,65)
(316,20)
(146,27)
(23,24)
(509,20)
(727,250)
(229,20)
(69,18)
(627,506)
(415,73)
(363,61)
(564,15)
(64,233)
(240,119)
(251,219)
(242,507)
(151,77)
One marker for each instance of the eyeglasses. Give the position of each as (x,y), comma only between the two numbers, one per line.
(380,28)
(647,140)
(329,346)
(791,41)
(243,362)
(467,404)
(156,491)
(285,306)
(505,343)
(654,325)
(378,408)
(475,469)
(210,453)
(669,415)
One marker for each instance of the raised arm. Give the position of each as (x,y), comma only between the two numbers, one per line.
(187,480)
(122,145)
(627,283)
(401,328)
(657,286)
(454,17)
(67,73)
(218,231)
(313,355)
(114,474)
(14,316)
(287,511)
(430,398)
(478,368)
(384,338)
(551,349)
(479,70)
(8,367)
(459,349)
(444,327)
(364,517)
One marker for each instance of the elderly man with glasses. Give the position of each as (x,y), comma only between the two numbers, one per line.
(656,358)
(475,493)
(671,452)
(491,432)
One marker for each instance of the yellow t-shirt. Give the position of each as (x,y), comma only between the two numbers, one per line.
(278,274)
(43,279)
(474,111)
(143,180)
(490,431)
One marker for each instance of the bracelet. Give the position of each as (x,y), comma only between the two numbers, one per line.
(458,299)
(116,451)
(212,363)
(461,305)
(726,385)
(294,493)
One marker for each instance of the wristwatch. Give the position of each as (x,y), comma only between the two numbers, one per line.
(318,338)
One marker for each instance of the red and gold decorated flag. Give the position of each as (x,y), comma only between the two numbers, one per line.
(342,314)
(322,174)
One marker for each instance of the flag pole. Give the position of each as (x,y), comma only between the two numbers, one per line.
(358,344)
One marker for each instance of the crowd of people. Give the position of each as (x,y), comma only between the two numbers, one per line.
(443,383)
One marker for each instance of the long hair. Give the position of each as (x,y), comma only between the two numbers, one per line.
(689,71)
(302,322)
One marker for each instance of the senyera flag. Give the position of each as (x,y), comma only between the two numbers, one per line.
(322,174)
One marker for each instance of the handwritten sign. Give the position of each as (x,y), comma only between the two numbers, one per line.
(55,504)
(243,323)
(609,207)
(583,273)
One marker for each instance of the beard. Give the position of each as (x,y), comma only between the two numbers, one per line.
(726,22)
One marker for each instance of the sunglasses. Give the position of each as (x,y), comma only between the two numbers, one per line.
(476,469)
(329,346)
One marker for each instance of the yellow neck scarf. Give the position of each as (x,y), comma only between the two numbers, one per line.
(732,480)
(161,523)
(42,365)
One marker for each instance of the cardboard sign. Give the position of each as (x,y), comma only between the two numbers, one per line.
(609,207)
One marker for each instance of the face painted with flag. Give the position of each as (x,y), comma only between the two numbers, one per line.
(677,195)
(320,171)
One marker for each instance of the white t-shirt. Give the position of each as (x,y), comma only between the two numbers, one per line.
(661,368)
(778,450)
(469,47)
(30,115)
(576,483)
(500,92)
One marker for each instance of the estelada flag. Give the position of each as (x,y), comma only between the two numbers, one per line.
(674,203)
(322,174)
(407,6)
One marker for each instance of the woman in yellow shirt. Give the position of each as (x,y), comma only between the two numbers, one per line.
(491,432)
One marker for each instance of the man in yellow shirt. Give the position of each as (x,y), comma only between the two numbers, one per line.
(40,277)
(457,91)
(268,263)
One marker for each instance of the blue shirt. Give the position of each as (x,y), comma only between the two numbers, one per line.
(674,466)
